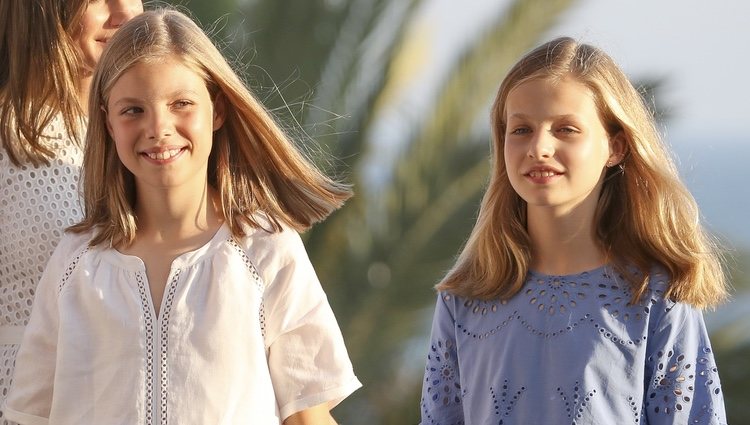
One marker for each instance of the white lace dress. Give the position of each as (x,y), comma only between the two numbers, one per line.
(36,205)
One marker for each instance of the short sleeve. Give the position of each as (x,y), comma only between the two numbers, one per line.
(31,394)
(681,379)
(441,389)
(307,357)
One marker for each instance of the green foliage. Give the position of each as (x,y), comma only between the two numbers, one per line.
(731,341)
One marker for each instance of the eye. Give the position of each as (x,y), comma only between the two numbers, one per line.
(181,104)
(131,110)
(519,131)
(568,130)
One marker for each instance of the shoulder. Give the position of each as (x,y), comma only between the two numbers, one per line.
(666,313)
(449,305)
(264,239)
(66,258)
(270,251)
(71,245)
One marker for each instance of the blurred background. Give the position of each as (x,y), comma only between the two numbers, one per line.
(398,91)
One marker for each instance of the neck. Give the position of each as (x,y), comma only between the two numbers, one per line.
(563,244)
(176,214)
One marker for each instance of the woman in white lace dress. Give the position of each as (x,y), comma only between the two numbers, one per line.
(48,49)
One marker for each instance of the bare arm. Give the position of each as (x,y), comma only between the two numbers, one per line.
(316,415)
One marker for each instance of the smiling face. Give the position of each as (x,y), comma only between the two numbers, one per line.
(161,118)
(556,147)
(98,23)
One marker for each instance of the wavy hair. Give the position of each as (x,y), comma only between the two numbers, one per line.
(40,69)
(253,165)
(645,215)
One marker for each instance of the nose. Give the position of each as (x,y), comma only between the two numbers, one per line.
(121,11)
(160,126)
(541,145)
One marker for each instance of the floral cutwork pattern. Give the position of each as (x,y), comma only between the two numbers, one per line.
(555,294)
(442,382)
(615,298)
(675,381)
(443,386)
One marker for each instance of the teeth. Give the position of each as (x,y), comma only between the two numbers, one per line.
(163,154)
(537,174)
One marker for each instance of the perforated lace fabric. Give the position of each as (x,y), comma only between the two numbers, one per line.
(36,204)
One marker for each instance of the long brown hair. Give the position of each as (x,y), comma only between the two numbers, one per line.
(39,74)
(645,215)
(253,165)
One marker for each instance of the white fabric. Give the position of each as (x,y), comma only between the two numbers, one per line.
(244,335)
(36,204)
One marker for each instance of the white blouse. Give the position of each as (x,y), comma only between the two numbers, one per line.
(244,335)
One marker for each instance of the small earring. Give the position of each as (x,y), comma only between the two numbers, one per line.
(609,164)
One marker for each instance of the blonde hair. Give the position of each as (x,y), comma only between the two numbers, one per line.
(253,165)
(645,215)
(40,69)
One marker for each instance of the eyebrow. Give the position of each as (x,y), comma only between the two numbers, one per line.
(176,93)
(519,115)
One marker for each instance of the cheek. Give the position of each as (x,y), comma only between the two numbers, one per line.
(513,152)
(123,142)
(91,22)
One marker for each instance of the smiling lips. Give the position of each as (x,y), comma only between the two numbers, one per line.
(542,175)
(163,155)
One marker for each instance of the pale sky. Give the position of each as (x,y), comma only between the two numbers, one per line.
(701,47)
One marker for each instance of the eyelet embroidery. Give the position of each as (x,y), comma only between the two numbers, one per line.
(504,406)
(8,353)
(164,365)
(443,386)
(149,328)
(575,402)
(69,270)
(636,408)
(559,295)
(492,331)
(672,387)
(478,306)
(615,298)
(37,204)
(442,381)
(555,294)
(258,283)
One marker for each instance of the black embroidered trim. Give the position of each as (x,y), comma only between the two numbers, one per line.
(164,363)
(69,270)
(149,328)
(258,283)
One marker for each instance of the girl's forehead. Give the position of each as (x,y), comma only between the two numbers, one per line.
(158,62)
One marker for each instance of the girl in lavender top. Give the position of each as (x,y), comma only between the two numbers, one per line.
(577,297)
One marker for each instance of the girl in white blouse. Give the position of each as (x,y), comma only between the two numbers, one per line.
(185,295)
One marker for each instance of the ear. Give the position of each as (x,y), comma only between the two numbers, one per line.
(618,148)
(220,111)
